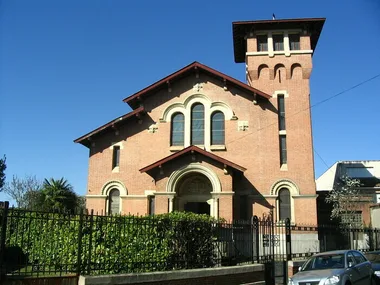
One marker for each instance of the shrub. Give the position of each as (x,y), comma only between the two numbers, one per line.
(112,244)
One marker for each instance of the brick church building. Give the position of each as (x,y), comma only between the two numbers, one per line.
(199,140)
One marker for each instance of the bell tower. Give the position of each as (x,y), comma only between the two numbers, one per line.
(278,61)
(277,52)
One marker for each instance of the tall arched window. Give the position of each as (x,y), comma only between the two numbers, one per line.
(178,128)
(197,124)
(284,204)
(217,128)
(114,202)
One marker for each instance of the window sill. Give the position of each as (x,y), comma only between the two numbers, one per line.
(218,147)
(284,167)
(174,148)
(116,169)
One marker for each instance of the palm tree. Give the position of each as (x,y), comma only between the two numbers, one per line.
(58,195)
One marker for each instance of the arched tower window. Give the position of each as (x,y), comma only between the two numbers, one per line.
(114,202)
(177,130)
(217,128)
(197,124)
(284,204)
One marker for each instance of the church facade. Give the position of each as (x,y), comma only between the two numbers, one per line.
(199,140)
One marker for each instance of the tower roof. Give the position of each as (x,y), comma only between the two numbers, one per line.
(240,30)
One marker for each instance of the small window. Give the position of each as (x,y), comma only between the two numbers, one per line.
(281,112)
(283,153)
(352,219)
(294,41)
(116,156)
(284,204)
(114,202)
(262,43)
(217,128)
(197,124)
(177,130)
(151,205)
(278,42)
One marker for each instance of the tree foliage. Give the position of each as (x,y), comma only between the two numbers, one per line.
(345,199)
(23,190)
(3,166)
(50,195)
(58,195)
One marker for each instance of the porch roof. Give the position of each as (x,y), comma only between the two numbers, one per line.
(188,151)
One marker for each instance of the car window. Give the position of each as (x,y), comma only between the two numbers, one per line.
(359,258)
(350,258)
(324,262)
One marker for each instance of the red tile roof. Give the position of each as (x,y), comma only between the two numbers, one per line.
(192,149)
(133,100)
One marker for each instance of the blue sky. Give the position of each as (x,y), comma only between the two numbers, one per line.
(65,67)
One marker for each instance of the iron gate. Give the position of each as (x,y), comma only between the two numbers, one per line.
(274,248)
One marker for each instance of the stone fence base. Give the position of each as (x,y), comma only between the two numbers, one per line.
(293,267)
(234,275)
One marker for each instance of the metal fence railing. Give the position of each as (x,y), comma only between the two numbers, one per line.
(56,244)
(44,244)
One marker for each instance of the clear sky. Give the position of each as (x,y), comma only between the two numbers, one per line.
(66,65)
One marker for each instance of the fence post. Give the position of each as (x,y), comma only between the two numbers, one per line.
(255,223)
(288,247)
(90,242)
(4,219)
(288,239)
(80,234)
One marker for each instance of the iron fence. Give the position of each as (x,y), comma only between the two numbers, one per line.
(56,244)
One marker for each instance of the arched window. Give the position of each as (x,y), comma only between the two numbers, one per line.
(197,124)
(177,131)
(114,202)
(284,204)
(217,128)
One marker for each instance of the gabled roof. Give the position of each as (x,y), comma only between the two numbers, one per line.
(242,28)
(192,68)
(85,139)
(190,150)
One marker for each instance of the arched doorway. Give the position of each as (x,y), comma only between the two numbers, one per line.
(193,194)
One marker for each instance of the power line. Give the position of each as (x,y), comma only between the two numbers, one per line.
(320,157)
(311,106)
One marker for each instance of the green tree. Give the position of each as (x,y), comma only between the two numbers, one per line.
(3,166)
(58,195)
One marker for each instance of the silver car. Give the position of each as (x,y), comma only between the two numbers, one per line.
(343,267)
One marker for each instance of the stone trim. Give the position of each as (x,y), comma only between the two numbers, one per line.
(133,196)
(96,196)
(258,53)
(306,196)
(136,278)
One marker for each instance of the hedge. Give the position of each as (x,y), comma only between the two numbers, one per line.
(112,244)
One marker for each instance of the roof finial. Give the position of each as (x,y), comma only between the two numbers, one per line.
(273,16)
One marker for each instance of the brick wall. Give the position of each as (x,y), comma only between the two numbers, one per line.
(256,149)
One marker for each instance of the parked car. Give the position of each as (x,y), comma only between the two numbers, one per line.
(374,258)
(341,267)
